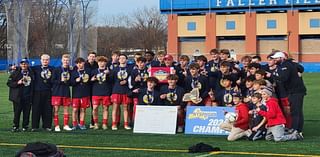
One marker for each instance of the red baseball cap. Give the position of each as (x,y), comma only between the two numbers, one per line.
(168,57)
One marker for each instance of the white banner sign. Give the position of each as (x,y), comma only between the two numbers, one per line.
(155,119)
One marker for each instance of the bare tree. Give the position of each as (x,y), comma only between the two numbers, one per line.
(150,28)
(3,30)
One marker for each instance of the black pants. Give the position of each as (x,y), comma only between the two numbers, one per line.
(25,107)
(42,108)
(296,104)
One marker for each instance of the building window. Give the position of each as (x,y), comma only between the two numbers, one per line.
(271,24)
(230,25)
(314,23)
(192,26)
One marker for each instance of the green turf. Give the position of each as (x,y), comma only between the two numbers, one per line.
(123,138)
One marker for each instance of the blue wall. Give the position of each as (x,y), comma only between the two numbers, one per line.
(308,66)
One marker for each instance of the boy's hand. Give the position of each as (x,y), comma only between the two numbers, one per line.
(136,90)
(78,79)
(123,82)
(163,96)
(94,78)
(255,128)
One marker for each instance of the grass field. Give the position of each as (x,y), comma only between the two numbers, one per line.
(115,143)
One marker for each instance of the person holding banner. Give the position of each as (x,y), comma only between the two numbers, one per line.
(239,127)
(171,95)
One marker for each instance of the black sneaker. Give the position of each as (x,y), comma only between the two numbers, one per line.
(300,136)
(15,129)
(24,129)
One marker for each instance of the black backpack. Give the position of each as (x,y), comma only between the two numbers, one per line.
(202,147)
(39,149)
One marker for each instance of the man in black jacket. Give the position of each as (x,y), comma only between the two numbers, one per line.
(289,73)
(20,93)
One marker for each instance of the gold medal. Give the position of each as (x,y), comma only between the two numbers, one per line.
(122,75)
(148,99)
(66,76)
(172,97)
(85,78)
(227,98)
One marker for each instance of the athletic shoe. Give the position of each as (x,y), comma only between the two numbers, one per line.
(82,127)
(34,130)
(57,128)
(48,129)
(127,127)
(91,126)
(96,127)
(299,135)
(67,128)
(104,127)
(15,129)
(114,127)
(74,128)
(24,129)
(180,129)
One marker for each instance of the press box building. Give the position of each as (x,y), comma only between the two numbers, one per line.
(246,26)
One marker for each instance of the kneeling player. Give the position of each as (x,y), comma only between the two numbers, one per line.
(276,119)
(257,122)
(239,127)
(101,91)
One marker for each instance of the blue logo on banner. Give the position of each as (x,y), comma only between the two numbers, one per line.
(206,120)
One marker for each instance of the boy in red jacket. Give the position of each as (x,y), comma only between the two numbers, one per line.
(239,127)
(276,119)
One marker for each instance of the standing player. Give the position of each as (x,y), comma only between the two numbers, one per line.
(91,64)
(101,91)
(61,93)
(80,93)
(120,92)
(21,89)
(41,107)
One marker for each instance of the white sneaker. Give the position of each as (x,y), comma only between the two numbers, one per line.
(57,128)
(91,126)
(104,127)
(67,128)
(114,127)
(180,129)
(127,127)
(96,127)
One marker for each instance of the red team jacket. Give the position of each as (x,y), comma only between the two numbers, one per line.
(273,114)
(243,116)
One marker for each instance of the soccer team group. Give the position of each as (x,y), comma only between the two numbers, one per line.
(268,98)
